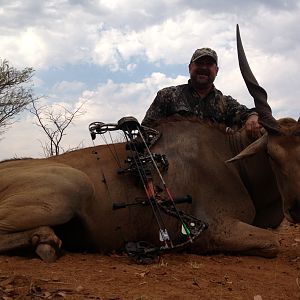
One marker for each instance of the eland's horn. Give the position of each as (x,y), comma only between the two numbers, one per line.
(257,92)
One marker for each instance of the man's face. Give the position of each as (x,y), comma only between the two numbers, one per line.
(203,71)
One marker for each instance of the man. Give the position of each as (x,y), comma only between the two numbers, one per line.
(199,97)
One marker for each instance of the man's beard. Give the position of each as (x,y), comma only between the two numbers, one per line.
(202,78)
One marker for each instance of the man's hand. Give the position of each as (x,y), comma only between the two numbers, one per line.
(252,126)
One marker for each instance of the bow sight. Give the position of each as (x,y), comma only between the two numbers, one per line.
(142,163)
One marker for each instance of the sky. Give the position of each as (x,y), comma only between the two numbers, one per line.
(114,55)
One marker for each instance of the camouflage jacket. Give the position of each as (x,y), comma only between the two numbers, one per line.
(184,100)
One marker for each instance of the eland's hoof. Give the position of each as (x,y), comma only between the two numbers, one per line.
(46,252)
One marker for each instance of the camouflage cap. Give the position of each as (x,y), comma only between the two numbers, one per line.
(204,52)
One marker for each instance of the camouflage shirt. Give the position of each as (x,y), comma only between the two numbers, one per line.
(184,100)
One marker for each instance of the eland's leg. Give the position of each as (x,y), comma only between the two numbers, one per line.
(25,222)
(42,239)
(235,236)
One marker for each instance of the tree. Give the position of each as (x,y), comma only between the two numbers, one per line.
(54,120)
(15,92)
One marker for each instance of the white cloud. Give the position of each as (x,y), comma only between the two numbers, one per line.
(64,32)
(131,67)
(113,46)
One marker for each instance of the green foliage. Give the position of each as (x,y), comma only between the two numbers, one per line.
(15,92)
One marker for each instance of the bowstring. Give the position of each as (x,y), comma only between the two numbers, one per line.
(115,150)
(166,188)
(142,175)
(114,155)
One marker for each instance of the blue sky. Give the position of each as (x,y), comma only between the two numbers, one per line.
(115,55)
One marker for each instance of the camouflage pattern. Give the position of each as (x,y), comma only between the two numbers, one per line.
(184,100)
(204,52)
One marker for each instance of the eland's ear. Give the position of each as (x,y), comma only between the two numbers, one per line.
(252,149)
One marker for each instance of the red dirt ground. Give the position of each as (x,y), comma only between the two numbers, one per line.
(175,276)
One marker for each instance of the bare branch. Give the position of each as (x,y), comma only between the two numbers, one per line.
(54,123)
